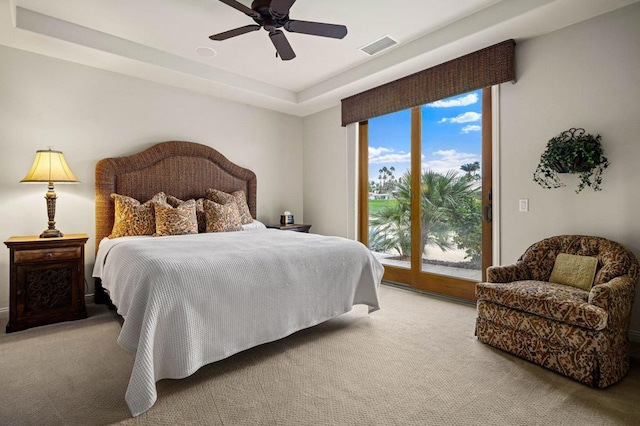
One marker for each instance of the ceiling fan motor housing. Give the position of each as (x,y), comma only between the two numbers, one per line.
(268,17)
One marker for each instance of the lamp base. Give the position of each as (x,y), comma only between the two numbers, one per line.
(51,233)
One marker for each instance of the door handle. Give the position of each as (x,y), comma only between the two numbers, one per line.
(487,213)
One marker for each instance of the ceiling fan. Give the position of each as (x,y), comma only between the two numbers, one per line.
(274,14)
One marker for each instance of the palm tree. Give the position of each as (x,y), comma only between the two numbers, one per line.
(390,230)
(392,178)
(471,170)
(386,178)
(390,227)
(441,199)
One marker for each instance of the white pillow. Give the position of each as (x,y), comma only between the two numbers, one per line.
(256,224)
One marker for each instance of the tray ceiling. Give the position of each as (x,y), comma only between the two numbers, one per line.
(166,41)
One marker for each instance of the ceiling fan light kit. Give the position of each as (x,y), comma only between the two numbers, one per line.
(273,15)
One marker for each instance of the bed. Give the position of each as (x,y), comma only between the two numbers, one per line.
(189,300)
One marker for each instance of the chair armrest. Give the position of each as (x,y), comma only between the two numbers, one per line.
(508,273)
(616,298)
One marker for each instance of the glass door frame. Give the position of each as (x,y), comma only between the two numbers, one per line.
(414,276)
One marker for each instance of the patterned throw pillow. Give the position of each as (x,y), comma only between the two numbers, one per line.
(222,217)
(237,197)
(174,201)
(179,220)
(132,218)
(202,221)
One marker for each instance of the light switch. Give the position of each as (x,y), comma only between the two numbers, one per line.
(523,204)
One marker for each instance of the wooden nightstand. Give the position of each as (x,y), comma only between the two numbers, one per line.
(297,227)
(46,281)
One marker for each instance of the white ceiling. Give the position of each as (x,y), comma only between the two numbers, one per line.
(157,40)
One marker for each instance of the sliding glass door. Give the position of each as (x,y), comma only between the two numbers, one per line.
(425,208)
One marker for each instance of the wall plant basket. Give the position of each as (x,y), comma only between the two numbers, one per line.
(572,151)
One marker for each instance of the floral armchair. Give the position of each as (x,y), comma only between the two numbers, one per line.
(578,333)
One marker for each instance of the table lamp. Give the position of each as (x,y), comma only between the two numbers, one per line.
(50,166)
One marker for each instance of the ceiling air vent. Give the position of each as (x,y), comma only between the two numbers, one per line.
(379,45)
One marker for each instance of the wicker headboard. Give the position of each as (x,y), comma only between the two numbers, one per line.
(182,169)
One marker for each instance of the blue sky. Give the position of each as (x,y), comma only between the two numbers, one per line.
(451,136)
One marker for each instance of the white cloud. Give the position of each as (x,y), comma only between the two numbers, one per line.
(471,128)
(449,159)
(469,99)
(391,158)
(387,155)
(466,117)
(374,152)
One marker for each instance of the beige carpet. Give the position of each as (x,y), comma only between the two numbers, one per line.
(415,362)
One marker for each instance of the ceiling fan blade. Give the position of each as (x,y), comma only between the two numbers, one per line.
(235,32)
(316,28)
(282,45)
(241,7)
(280,8)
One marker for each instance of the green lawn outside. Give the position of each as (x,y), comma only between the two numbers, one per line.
(377,205)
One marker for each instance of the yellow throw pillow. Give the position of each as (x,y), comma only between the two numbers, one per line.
(576,271)
(133,218)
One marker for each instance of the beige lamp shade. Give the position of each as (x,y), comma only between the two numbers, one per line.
(50,166)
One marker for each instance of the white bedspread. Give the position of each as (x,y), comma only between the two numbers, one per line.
(191,300)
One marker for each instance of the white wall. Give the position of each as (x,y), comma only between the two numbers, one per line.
(586,75)
(329,175)
(90,114)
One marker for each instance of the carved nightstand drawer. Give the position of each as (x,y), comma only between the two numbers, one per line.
(42,255)
(47,280)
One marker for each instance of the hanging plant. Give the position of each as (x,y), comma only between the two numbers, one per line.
(572,151)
